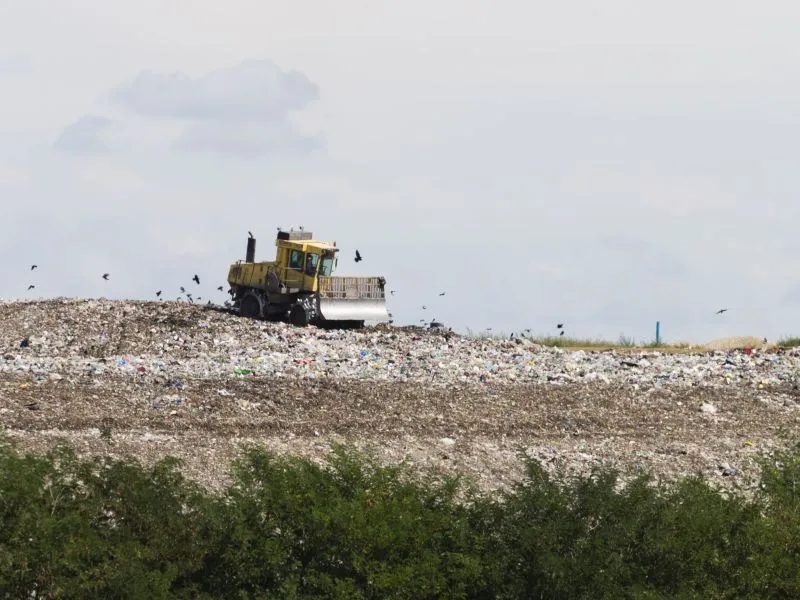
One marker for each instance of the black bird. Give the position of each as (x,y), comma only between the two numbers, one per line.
(721,310)
(105,276)
(562,333)
(30,287)
(33,267)
(158,293)
(358,256)
(250,233)
(220,288)
(560,325)
(197,279)
(391,292)
(424,307)
(442,294)
(183,291)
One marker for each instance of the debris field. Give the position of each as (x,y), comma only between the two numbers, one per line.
(152,379)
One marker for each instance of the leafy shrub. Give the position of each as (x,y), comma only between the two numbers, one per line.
(352,528)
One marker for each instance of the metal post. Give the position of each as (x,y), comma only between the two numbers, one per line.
(658,332)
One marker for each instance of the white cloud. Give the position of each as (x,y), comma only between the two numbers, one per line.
(242,111)
(252,90)
(83,136)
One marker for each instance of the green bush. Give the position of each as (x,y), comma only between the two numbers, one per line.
(352,528)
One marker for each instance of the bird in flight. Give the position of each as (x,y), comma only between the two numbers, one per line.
(33,267)
(197,279)
(105,276)
(391,292)
(721,310)
(424,307)
(183,291)
(358,256)
(158,293)
(30,287)
(560,325)
(220,288)
(442,293)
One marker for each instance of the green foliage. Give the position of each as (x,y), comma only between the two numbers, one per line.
(789,341)
(353,528)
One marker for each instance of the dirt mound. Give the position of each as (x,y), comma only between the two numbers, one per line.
(157,378)
(739,342)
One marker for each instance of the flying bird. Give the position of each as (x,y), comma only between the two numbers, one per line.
(158,293)
(560,326)
(220,288)
(721,310)
(197,279)
(183,290)
(391,292)
(358,256)
(562,333)
(33,267)
(424,307)
(105,276)
(442,294)
(30,287)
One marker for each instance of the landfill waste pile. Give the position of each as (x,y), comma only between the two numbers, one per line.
(168,378)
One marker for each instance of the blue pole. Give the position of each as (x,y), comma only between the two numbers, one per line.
(658,332)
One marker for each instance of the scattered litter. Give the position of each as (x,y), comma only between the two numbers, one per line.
(173,343)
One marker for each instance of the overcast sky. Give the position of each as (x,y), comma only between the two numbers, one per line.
(605,164)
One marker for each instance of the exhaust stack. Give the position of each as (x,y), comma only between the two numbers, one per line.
(251,250)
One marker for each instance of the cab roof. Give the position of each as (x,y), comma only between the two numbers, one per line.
(308,244)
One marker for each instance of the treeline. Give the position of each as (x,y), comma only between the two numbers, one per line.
(288,528)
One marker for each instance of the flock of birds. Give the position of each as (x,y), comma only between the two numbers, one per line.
(189,296)
(432,323)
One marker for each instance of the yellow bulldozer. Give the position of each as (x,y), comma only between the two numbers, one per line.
(299,286)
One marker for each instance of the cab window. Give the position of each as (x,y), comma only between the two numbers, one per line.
(296,260)
(327,266)
(311,263)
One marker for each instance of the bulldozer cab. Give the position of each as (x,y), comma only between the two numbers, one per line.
(305,265)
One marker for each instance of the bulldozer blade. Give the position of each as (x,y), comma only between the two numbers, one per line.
(356,309)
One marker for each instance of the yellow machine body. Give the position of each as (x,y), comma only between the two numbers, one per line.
(299,285)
